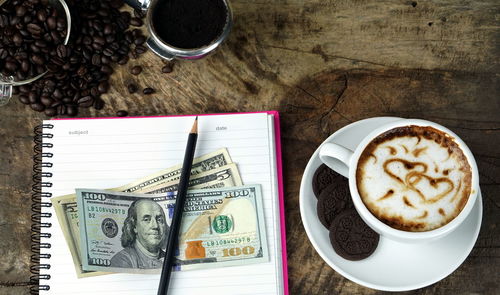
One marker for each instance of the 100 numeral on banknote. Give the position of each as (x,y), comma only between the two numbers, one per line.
(123,232)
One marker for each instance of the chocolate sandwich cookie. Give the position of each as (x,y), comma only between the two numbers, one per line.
(351,238)
(334,199)
(323,177)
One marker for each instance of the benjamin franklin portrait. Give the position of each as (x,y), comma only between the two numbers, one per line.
(143,236)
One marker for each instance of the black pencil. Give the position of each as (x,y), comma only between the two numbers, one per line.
(173,234)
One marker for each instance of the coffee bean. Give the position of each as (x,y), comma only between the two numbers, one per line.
(51,112)
(136,70)
(96,59)
(61,109)
(167,69)
(21,10)
(122,113)
(108,52)
(38,59)
(140,40)
(105,60)
(124,60)
(132,88)
(82,71)
(103,87)
(106,69)
(61,24)
(71,110)
(34,29)
(108,29)
(24,99)
(86,101)
(98,104)
(148,90)
(4,20)
(46,100)
(62,51)
(51,23)
(3,53)
(57,61)
(94,91)
(11,66)
(99,40)
(37,107)
(17,39)
(140,49)
(33,97)
(57,94)
(41,15)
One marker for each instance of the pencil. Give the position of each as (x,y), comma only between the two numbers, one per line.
(173,234)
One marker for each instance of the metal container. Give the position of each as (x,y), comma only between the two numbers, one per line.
(6,83)
(169,52)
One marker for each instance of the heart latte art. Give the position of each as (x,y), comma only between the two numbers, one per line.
(414,178)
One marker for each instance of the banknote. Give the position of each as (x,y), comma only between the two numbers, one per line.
(225,176)
(67,211)
(201,164)
(126,232)
(67,215)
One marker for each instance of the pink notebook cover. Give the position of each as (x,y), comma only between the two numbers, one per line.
(281,194)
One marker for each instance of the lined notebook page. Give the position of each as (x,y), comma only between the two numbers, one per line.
(105,153)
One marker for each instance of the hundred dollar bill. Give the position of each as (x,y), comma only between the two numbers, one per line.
(201,164)
(225,176)
(67,214)
(67,211)
(125,232)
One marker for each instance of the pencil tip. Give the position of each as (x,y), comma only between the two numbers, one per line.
(194,129)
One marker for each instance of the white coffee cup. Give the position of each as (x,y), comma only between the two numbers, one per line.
(345,162)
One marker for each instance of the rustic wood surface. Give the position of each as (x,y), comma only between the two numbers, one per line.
(322,64)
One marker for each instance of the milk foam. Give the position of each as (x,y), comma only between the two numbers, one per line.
(413,183)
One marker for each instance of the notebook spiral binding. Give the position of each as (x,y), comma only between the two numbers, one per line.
(40,200)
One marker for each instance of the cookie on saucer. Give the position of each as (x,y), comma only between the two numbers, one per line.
(323,177)
(334,199)
(351,237)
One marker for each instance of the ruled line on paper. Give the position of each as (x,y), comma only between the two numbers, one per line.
(155,133)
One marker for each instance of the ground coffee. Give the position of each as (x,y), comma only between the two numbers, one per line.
(189,23)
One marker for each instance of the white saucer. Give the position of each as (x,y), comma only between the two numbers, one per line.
(393,266)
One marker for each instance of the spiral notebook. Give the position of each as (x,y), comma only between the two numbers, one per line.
(109,152)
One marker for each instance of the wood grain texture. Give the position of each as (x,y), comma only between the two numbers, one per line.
(322,64)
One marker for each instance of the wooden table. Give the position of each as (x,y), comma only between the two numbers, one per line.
(322,64)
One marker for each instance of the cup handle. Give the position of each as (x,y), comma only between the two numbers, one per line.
(336,157)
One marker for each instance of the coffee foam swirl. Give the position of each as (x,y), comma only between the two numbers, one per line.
(414,178)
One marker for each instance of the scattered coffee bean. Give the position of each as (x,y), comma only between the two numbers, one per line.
(132,88)
(148,90)
(139,49)
(136,70)
(135,21)
(98,104)
(122,113)
(140,40)
(167,69)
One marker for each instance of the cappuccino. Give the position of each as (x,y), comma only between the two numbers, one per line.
(414,178)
